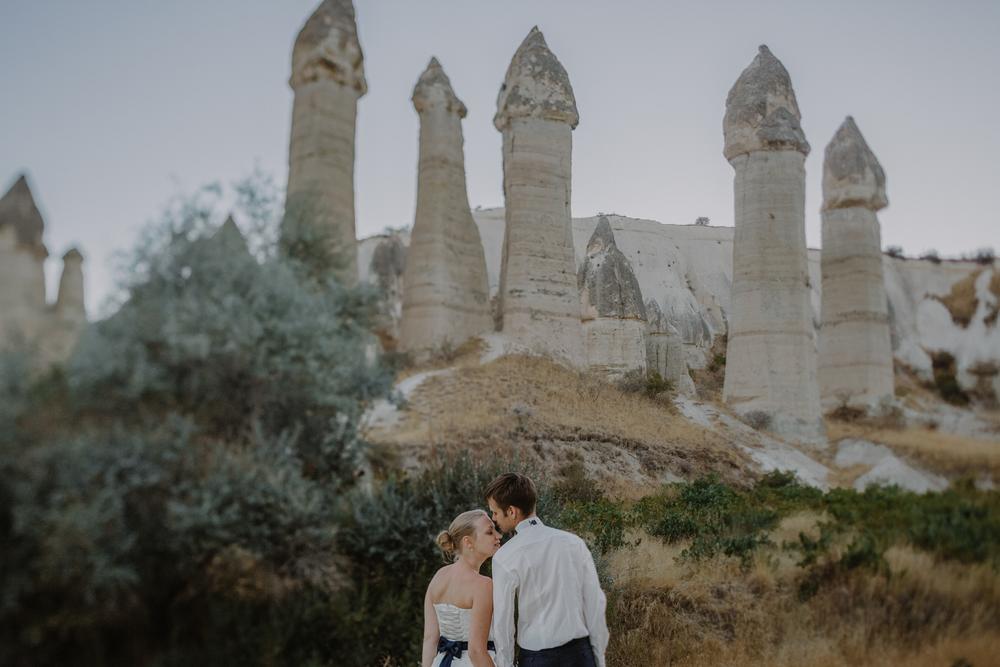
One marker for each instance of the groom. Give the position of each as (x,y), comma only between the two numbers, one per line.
(552,576)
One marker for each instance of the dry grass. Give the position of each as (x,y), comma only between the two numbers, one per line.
(466,354)
(536,407)
(991,317)
(961,301)
(710,380)
(948,454)
(925,613)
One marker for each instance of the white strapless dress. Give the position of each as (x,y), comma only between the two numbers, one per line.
(453,623)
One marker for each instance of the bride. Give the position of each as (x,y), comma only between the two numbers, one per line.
(458,606)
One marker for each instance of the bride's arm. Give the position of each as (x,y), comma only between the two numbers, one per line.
(479,624)
(431,632)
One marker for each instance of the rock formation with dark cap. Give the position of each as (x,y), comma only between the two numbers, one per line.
(539,303)
(327,79)
(855,351)
(613,313)
(771,355)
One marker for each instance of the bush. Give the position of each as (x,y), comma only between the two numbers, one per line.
(931,256)
(240,344)
(171,494)
(388,535)
(758,420)
(717,363)
(716,518)
(945,380)
(985,256)
(650,384)
(895,251)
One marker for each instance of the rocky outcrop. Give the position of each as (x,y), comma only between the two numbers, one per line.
(327,79)
(51,332)
(22,262)
(445,289)
(771,356)
(613,313)
(68,317)
(539,304)
(665,350)
(855,352)
(70,302)
(687,269)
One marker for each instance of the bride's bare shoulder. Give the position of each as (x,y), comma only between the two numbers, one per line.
(484,583)
(440,578)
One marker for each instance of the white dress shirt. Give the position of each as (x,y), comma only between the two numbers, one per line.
(559,597)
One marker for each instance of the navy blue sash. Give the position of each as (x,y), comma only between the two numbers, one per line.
(452,650)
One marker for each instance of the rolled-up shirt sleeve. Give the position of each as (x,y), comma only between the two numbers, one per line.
(504,590)
(594,604)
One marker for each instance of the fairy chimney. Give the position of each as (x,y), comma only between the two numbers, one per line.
(22,262)
(771,355)
(855,351)
(445,287)
(539,302)
(327,79)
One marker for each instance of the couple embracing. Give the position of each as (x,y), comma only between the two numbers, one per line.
(548,575)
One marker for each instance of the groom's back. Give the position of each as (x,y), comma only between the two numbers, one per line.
(549,566)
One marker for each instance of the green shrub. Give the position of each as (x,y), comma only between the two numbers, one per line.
(718,362)
(171,495)
(388,536)
(714,516)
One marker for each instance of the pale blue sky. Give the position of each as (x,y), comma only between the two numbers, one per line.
(113,106)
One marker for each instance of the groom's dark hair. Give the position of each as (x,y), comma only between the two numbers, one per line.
(513,489)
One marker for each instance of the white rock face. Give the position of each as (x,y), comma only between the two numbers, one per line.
(855,354)
(612,310)
(538,301)
(445,290)
(328,79)
(665,350)
(687,270)
(771,355)
(885,468)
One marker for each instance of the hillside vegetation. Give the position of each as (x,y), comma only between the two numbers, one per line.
(199,486)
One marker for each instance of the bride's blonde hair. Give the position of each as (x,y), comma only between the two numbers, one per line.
(464,524)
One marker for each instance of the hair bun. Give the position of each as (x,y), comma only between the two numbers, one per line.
(446,544)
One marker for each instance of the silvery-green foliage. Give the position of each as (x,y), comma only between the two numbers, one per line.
(169,495)
(15,370)
(81,509)
(236,339)
(256,499)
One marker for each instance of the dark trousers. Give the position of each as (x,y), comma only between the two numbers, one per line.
(576,653)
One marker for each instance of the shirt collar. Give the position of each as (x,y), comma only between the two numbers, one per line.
(528,523)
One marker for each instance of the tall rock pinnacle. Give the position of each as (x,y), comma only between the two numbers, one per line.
(328,79)
(536,112)
(771,355)
(70,303)
(445,286)
(22,261)
(25,316)
(855,351)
